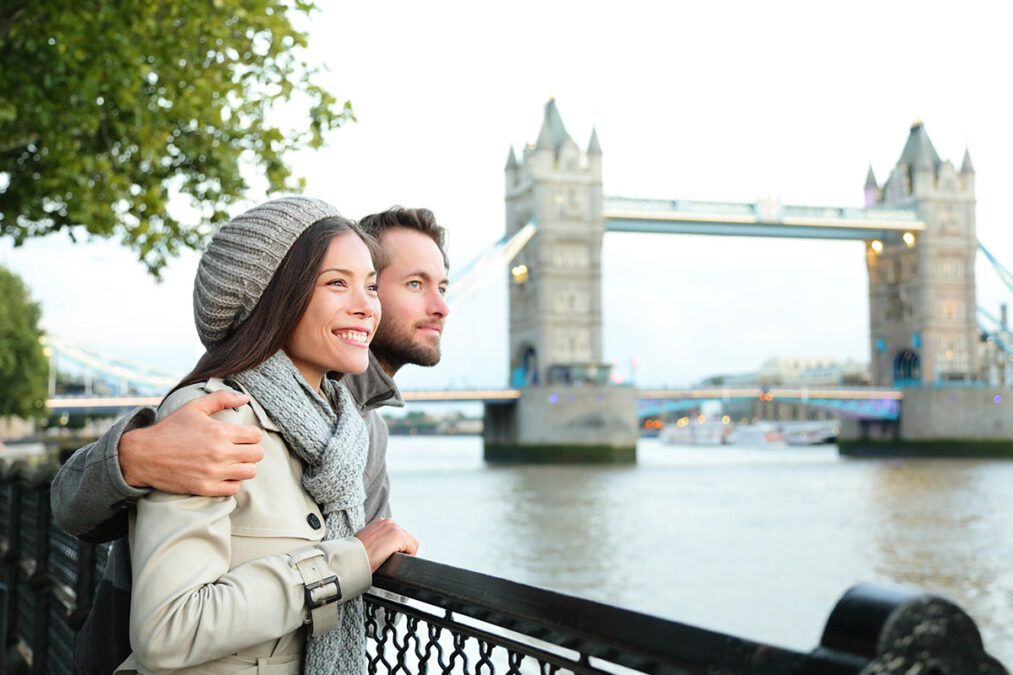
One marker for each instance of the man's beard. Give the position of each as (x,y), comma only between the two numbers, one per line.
(393,345)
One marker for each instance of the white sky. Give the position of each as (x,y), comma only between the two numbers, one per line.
(718,100)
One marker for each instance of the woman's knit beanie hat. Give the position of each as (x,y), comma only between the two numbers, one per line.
(241,259)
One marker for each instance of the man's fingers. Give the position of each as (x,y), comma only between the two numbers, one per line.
(245,433)
(242,452)
(219,400)
(241,471)
(225,488)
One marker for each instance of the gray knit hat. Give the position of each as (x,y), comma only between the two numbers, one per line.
(241,258)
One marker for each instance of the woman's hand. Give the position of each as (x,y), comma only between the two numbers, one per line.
(382,537)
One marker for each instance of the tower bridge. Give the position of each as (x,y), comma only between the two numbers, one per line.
(920,245)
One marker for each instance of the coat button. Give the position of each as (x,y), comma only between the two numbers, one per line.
(313,521)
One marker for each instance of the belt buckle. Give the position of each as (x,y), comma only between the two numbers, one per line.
(314,602)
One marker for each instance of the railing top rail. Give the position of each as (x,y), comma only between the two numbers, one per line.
(617,635)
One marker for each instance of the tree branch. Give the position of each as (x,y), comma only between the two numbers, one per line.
(7,17)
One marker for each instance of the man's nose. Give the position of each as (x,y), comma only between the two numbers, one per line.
(438,305)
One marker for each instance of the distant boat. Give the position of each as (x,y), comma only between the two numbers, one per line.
(695,433)
(760,433)
(14,450)
(811,433)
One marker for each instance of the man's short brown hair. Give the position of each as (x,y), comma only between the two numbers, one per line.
(421,220)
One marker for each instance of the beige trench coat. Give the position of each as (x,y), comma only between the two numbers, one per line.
(215,589)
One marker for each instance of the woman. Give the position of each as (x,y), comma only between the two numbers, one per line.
(268,581)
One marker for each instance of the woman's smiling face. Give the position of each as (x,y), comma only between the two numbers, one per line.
(335,330)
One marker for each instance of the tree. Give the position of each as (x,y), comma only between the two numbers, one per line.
(109,107)
(23,366)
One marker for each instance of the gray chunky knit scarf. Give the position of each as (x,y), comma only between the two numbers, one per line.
(326,432)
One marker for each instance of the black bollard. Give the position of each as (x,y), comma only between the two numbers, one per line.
(906,631)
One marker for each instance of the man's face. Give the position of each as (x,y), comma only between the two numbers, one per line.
(411,293)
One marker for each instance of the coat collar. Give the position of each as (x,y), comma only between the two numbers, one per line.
(215,384)
(373,388)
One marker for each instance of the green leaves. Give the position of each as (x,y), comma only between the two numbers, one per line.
(110,109)
(24,368)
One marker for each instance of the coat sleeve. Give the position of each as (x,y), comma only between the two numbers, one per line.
(188,606)
(90,498)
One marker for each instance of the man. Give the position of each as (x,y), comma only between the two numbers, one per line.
(188,452)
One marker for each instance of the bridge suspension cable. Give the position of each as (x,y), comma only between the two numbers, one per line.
(1004,274)
(1000,335)
(474,275)
(114,365)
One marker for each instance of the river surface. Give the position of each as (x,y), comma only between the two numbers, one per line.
(755,542)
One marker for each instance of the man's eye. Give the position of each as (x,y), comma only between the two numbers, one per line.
(443,290)
(415,284)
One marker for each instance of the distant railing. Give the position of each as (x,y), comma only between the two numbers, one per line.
(432,618)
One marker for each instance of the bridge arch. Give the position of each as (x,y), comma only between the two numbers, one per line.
(907,368)
(525,366)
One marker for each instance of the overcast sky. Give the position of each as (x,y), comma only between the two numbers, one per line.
(716,100)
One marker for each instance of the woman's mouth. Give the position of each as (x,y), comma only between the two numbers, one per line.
(359,338)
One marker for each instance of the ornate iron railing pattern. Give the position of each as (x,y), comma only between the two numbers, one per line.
(424,617)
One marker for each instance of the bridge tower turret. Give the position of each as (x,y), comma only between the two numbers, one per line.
(555,289)
(922,305)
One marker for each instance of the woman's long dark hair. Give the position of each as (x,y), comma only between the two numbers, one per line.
(280,307)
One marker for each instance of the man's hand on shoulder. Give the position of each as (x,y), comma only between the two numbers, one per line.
(188,452)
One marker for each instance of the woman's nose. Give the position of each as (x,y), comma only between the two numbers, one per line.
(362,303)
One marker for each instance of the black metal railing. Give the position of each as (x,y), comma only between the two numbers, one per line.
(423,617)
(457,621)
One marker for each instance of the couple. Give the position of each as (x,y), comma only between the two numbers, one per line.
(250,516)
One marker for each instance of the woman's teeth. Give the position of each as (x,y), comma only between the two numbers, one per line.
(354,335)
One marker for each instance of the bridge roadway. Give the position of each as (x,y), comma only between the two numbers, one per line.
(860,402)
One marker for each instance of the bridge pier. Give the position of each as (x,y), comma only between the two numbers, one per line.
(868,431)
(563,423)
(939,422)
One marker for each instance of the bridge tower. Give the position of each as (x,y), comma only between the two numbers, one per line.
(568,410)
(555,294)
(922,305)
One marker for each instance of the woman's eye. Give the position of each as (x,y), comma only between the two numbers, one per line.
(337,282)
(373,288)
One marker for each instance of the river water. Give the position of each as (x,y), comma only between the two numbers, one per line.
(756,542)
